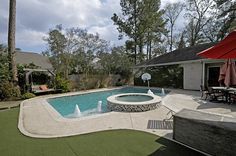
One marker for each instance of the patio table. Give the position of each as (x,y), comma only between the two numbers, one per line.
(226,91)
(219,88)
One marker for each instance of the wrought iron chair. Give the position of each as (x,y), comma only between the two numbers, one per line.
(208,92)
(205,91)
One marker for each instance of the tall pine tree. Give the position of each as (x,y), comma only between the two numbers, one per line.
(142,23)
(128,23)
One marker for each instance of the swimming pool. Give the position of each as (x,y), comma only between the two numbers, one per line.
(88,102)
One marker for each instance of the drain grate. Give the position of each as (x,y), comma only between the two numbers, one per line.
(159,124)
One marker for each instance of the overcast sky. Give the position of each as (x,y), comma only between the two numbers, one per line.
(36,17)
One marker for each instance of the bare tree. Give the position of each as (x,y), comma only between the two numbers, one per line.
(226,17)
(11,40)
(172,12)
(212,28)
(197,13)
(180,44)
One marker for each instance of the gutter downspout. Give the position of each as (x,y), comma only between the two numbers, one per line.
(203,74)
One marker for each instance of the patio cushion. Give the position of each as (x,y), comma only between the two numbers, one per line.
(35,87)
(43,87)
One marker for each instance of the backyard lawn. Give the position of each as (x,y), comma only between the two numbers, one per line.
(110,143)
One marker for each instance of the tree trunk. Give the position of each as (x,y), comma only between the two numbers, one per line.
(150,49)
(140,50)
(135,31)
(66,67)
(148,42)
(171,36)
(135,50)
(11,40)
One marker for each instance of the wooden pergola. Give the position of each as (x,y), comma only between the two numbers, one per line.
(39,63)
(29,72)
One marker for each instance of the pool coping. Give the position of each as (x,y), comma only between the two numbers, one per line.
(125,106)
(165,106)
(167,102)
(58,118)
(114,100)
(53,113)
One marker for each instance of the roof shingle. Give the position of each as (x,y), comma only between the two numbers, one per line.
(179,55)
(35,58)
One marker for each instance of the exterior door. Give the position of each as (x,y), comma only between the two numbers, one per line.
(213,76)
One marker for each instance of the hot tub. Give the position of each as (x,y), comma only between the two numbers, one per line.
(133,102)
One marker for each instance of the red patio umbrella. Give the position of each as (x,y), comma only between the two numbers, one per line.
(225,49)
(223,70)
(228,73)
(230,76)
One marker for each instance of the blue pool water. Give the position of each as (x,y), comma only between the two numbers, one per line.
(134,98)
(88,102)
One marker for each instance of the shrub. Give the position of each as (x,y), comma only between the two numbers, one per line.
(62,84)
(4,69)
(28,96)
(102,85)
(119,83)
(9,91)
(164,76)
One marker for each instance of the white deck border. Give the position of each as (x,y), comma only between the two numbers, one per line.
(58,118)
(174,101)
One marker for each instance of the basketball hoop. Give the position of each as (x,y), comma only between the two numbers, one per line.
(146,77)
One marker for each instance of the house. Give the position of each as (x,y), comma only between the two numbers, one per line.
(196,70)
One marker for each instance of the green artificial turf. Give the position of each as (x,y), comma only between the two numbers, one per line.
(106,143)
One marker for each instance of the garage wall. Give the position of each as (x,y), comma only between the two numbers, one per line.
(192,75)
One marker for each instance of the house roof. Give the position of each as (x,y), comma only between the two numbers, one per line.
(179,55)
(35,58)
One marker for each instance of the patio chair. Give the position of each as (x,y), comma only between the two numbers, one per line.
(205,91)
(232,97)
(170,113)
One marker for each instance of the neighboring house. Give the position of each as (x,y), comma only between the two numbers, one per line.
(196,70)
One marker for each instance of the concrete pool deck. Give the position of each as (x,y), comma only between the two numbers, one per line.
(38,119)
